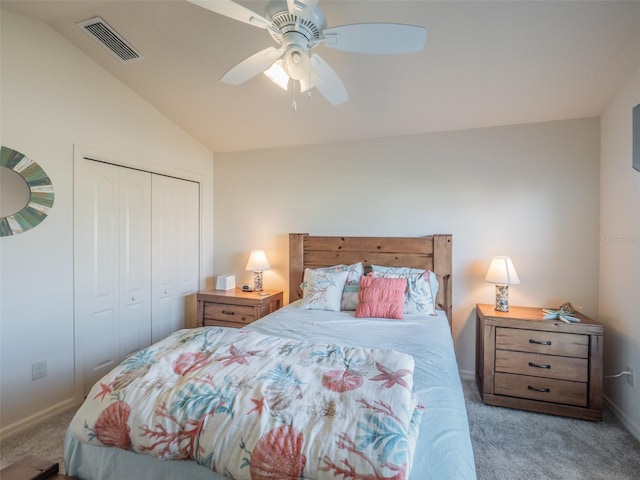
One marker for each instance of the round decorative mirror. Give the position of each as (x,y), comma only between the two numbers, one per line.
(26,193)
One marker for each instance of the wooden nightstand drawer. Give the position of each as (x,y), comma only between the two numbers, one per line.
(229,313)
(235,308)
(548,343)
(537,365)
(545,389)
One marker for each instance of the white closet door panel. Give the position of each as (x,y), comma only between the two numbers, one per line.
(189,246)
(163,319)
(189,238)
(103,236)
(135,261)
(103,354)
(96,234)
(175,257)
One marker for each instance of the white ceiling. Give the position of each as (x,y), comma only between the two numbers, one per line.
(484,64)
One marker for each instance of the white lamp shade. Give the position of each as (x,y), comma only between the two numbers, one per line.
(502,272)
(258,261)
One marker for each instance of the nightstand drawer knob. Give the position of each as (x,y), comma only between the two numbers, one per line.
(541,390)
(547,342)
(227,312)
(531,364)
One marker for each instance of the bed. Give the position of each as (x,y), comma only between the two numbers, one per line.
(442,447)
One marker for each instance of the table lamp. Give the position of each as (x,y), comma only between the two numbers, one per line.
(256,264)
(502,273)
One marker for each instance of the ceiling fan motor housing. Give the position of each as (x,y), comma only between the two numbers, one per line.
(284,22)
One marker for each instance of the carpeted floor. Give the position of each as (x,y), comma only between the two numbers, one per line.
(516,445)
(508,444)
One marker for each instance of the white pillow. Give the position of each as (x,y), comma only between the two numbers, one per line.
(322,289)
(422,287)
(351,290)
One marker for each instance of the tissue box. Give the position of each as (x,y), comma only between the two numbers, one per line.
(226,282)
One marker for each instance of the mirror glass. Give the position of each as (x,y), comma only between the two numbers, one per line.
(14,192)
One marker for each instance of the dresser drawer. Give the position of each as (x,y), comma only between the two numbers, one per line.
(544,389)
(229,313)
(538,365)
(222,323)
(548,343)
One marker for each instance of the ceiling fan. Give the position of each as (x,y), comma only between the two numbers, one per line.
(298,26)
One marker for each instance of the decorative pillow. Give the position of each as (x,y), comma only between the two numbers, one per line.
(351,290)
(322,290)
(349,299)
(381,298)
(422,287)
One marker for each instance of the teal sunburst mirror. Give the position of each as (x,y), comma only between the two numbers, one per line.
(38,196)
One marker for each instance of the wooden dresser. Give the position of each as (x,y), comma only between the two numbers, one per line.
(235,308)
(546,366)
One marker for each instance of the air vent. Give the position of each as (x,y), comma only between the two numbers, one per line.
(110,39)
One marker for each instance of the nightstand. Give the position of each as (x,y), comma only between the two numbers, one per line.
(546,366)
(235,308)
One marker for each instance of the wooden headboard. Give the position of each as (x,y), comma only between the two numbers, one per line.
(430,253)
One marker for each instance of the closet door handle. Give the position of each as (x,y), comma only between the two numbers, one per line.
(546,342)
(541,390)
(531,364)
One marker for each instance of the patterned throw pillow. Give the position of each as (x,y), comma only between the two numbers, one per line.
(349,300)
(422,287)
(381,298)
(322,289)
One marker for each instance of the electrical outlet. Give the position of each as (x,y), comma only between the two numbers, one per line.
(629,376)
(38,370)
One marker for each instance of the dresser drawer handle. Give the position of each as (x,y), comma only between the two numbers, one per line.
(531,364)
(227,312)
(541,390)
(547,342)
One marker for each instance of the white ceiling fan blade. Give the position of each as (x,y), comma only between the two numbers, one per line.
(302,8)
(376,38)
(330,86)
(233,10)
(252,66)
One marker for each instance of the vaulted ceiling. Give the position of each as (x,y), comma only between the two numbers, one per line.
(484,64)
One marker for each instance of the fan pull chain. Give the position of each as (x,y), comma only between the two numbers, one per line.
(294,107)
(309,88)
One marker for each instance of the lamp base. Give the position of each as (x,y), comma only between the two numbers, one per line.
(502,298)
(257,281)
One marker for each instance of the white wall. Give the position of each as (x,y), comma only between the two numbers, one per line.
(527,191)
(619,299)
(55,98)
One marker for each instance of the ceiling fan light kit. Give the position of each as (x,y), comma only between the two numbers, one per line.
(298,26)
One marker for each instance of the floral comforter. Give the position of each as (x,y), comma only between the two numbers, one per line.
(253,406)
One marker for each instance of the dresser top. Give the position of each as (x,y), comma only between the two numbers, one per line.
(536,315)
(237,295)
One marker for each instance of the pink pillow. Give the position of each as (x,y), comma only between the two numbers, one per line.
(381,298)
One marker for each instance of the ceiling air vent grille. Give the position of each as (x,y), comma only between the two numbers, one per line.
(110,39)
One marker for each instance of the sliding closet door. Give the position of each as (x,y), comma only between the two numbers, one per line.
(175,257)
(112,230)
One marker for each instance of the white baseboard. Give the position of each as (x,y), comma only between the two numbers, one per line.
(624,419)
(36,418)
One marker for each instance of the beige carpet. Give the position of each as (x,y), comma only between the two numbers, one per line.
(516,445)
(508,444)
(45,440)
